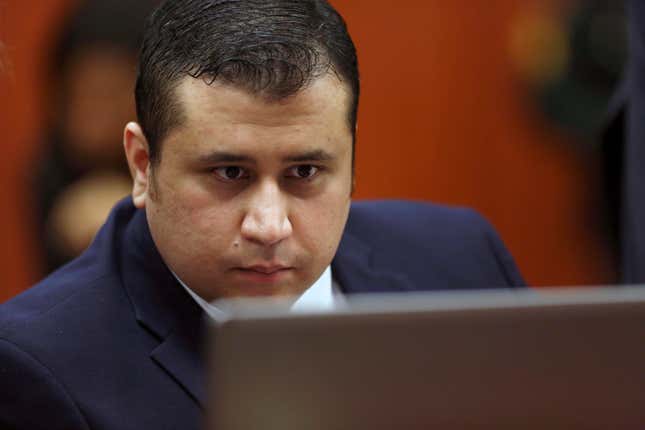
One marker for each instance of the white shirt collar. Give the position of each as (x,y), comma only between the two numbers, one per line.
(323,295)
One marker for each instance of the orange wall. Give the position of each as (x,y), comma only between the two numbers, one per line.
(443,117)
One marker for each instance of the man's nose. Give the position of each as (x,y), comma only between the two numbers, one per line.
(266,221)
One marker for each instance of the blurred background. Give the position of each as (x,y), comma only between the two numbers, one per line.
(493,104)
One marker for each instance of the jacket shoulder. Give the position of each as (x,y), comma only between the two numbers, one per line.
(78,284)
(422,239)
(400,216)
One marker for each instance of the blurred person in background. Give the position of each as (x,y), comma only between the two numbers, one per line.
(571,58)
(81,172)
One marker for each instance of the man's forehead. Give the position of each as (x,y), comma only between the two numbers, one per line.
(326,95)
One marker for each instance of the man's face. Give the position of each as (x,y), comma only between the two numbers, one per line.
(250,196)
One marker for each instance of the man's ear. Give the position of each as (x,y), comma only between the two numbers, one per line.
(138,154)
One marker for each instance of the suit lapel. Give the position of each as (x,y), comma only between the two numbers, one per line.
(164,308)
(354,269)
(180,355)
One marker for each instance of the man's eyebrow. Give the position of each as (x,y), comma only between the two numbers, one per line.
(231,157)
(223,157)
(316,155)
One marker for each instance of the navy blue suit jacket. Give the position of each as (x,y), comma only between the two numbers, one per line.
(111,341)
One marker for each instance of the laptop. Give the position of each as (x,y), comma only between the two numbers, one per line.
(558,359)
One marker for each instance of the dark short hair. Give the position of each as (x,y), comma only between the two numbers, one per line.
(270,47)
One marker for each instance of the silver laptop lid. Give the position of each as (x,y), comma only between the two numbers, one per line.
(563,359)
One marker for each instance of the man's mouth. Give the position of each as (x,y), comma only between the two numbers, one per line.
(266,269)
(264,273)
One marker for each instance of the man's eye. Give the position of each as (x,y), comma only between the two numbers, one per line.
(305,171)
(231,173)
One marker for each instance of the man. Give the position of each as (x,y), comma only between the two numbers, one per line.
(242,162)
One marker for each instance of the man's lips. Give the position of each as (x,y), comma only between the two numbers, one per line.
(265,269)
(263,274)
